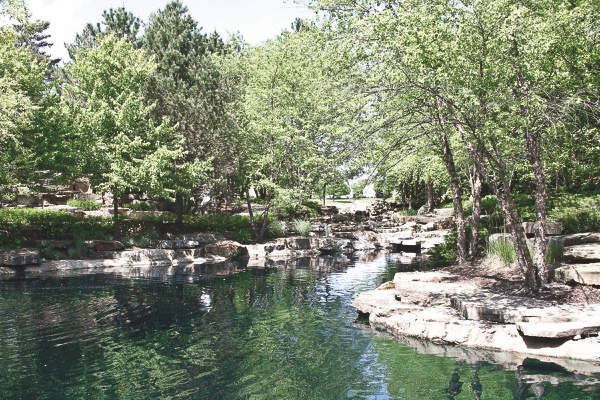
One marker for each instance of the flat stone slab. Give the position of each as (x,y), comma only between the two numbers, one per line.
(589,252)
(585,274)
(426,288)
(484,306)
(559,329)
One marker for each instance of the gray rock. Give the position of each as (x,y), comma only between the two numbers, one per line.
(589,252)
(585,274)
(559,329)
(551,228)
(105,245)
(484,306)
(16,258)
(178,244)
(228,249)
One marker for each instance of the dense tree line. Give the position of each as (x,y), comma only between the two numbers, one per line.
(437,98)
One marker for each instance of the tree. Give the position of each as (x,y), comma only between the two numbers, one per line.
(117,22)
(292,138)
(121,148)
(500,77)
(21,85)
(188,88)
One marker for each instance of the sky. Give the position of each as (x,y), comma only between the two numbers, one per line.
(256,20)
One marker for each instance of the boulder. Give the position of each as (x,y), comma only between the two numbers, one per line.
(16,258)
(551,228)
(227,249)
(105,245)
(585,274)
(81,185)
(178,244)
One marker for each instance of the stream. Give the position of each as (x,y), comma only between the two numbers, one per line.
(231,332)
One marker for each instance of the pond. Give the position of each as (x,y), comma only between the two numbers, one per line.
(259,333)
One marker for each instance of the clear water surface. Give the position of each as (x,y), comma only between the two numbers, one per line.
(230,332)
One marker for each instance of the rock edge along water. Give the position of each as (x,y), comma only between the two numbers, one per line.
(429,305)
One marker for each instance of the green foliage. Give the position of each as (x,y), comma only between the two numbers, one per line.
(243,236)
(217,223)
(408,212)
(502,249)
(87,205)
(489,204)
(277,229)
(142,239)
(577,213)
(444,254)
(141,206)
(287,208)
(302,227)
(119,23)
(59,225)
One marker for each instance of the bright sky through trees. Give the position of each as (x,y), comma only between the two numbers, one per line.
(256,20)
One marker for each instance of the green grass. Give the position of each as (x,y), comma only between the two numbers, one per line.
(87,205)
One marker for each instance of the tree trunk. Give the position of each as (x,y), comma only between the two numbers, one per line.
(324,193)
(251,214)
(476,198)
(117,231)
(511,216)
(179,209)
(541,196)
(461,242)
(430,200)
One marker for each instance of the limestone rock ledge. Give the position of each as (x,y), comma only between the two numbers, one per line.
(429,305)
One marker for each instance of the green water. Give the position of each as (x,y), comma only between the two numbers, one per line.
(209,333)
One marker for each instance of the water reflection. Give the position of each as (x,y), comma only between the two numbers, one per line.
(284,330)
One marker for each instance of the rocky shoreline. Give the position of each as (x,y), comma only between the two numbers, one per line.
(439,307)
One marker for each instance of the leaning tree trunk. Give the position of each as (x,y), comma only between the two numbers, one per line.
(511,216)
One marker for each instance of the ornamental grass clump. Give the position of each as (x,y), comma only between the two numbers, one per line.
(302,227)
(277,229)
(502,249)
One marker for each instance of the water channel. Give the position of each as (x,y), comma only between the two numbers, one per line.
(231,332)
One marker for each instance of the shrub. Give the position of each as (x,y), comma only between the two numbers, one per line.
(577,213)
(302,227)
(243,236)
(489,204)
(502,249)
(142,206)
(277,229)
(87,205)
(51,224)
(444,254)
(408,212)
